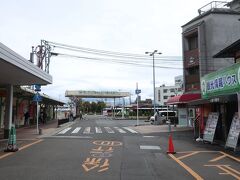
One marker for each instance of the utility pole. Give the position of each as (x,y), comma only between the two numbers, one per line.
(154,99)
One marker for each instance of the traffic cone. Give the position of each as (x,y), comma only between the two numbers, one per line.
(170,145)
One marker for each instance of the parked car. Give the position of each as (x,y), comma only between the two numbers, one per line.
(160,117)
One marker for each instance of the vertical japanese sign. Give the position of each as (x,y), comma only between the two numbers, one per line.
(99,159)
(222,82)
(210,128)
(233,135)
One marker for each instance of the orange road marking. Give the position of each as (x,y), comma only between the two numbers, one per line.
(21,148)
(187,155)
(218,158)
(28,145)
(227,170)
(184,152)
(232,157)
(5,155)
(234,170)
(193,173)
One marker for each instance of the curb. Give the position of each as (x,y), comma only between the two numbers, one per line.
(56,130)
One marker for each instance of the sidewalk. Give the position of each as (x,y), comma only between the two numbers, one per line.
(145,129)
(26,135)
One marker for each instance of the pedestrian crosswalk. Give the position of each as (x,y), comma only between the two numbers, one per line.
(97,130)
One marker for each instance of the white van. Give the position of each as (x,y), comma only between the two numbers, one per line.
(160,117)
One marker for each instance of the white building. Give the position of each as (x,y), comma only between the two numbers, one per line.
(164,92)
(179,80)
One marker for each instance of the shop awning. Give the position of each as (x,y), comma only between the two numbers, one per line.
(183,99)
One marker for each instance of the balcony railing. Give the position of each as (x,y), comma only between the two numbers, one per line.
(212,5)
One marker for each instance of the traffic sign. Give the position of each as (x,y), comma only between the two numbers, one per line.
(37,97)
(37,87)
(137,91)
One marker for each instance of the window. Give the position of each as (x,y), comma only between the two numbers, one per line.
(165,97)
(192,42)
(165,91)
(172,90)
(159,95)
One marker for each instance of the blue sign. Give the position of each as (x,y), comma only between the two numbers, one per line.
(37,97)
(137,91)
(37,87)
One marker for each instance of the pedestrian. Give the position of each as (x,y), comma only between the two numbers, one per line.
(71,116)
(44,117)
(26,118)
(41,117)
(80,115)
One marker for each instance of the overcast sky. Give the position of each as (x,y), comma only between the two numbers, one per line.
(127,26)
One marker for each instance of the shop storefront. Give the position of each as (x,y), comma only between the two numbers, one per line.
(221,89)
(186,113)
(15,71)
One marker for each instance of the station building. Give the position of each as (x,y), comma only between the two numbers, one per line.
(16,71)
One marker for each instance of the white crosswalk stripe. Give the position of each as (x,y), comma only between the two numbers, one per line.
(65,130)
(130,130)
(75,131)
(98,130)
(87,130)
(109,130)
(120,130)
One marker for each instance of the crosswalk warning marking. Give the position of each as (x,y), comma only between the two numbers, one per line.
(131,130)
(109,130)
(75,131)
(65,130)
(98,130)
(120,130)
(87,130)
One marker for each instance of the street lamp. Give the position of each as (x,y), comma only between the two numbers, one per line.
(152,54)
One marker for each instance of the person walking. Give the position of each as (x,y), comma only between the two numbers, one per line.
(26,118)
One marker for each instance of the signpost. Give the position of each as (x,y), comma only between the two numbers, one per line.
(137,91)
(37,98)
(233,135)
(209,131)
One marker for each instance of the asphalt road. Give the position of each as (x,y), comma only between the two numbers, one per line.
(101,148)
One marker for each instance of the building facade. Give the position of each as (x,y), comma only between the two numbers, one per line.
(215,28)
(202,37)
(163,93)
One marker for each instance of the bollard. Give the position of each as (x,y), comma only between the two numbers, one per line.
(12,143)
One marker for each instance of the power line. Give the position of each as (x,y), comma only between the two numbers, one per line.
(106,53)
(116,61)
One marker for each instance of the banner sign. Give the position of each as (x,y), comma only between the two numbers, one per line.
(233,135)
(210,128)
(222,82)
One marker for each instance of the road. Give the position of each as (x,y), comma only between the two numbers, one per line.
(102,148)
